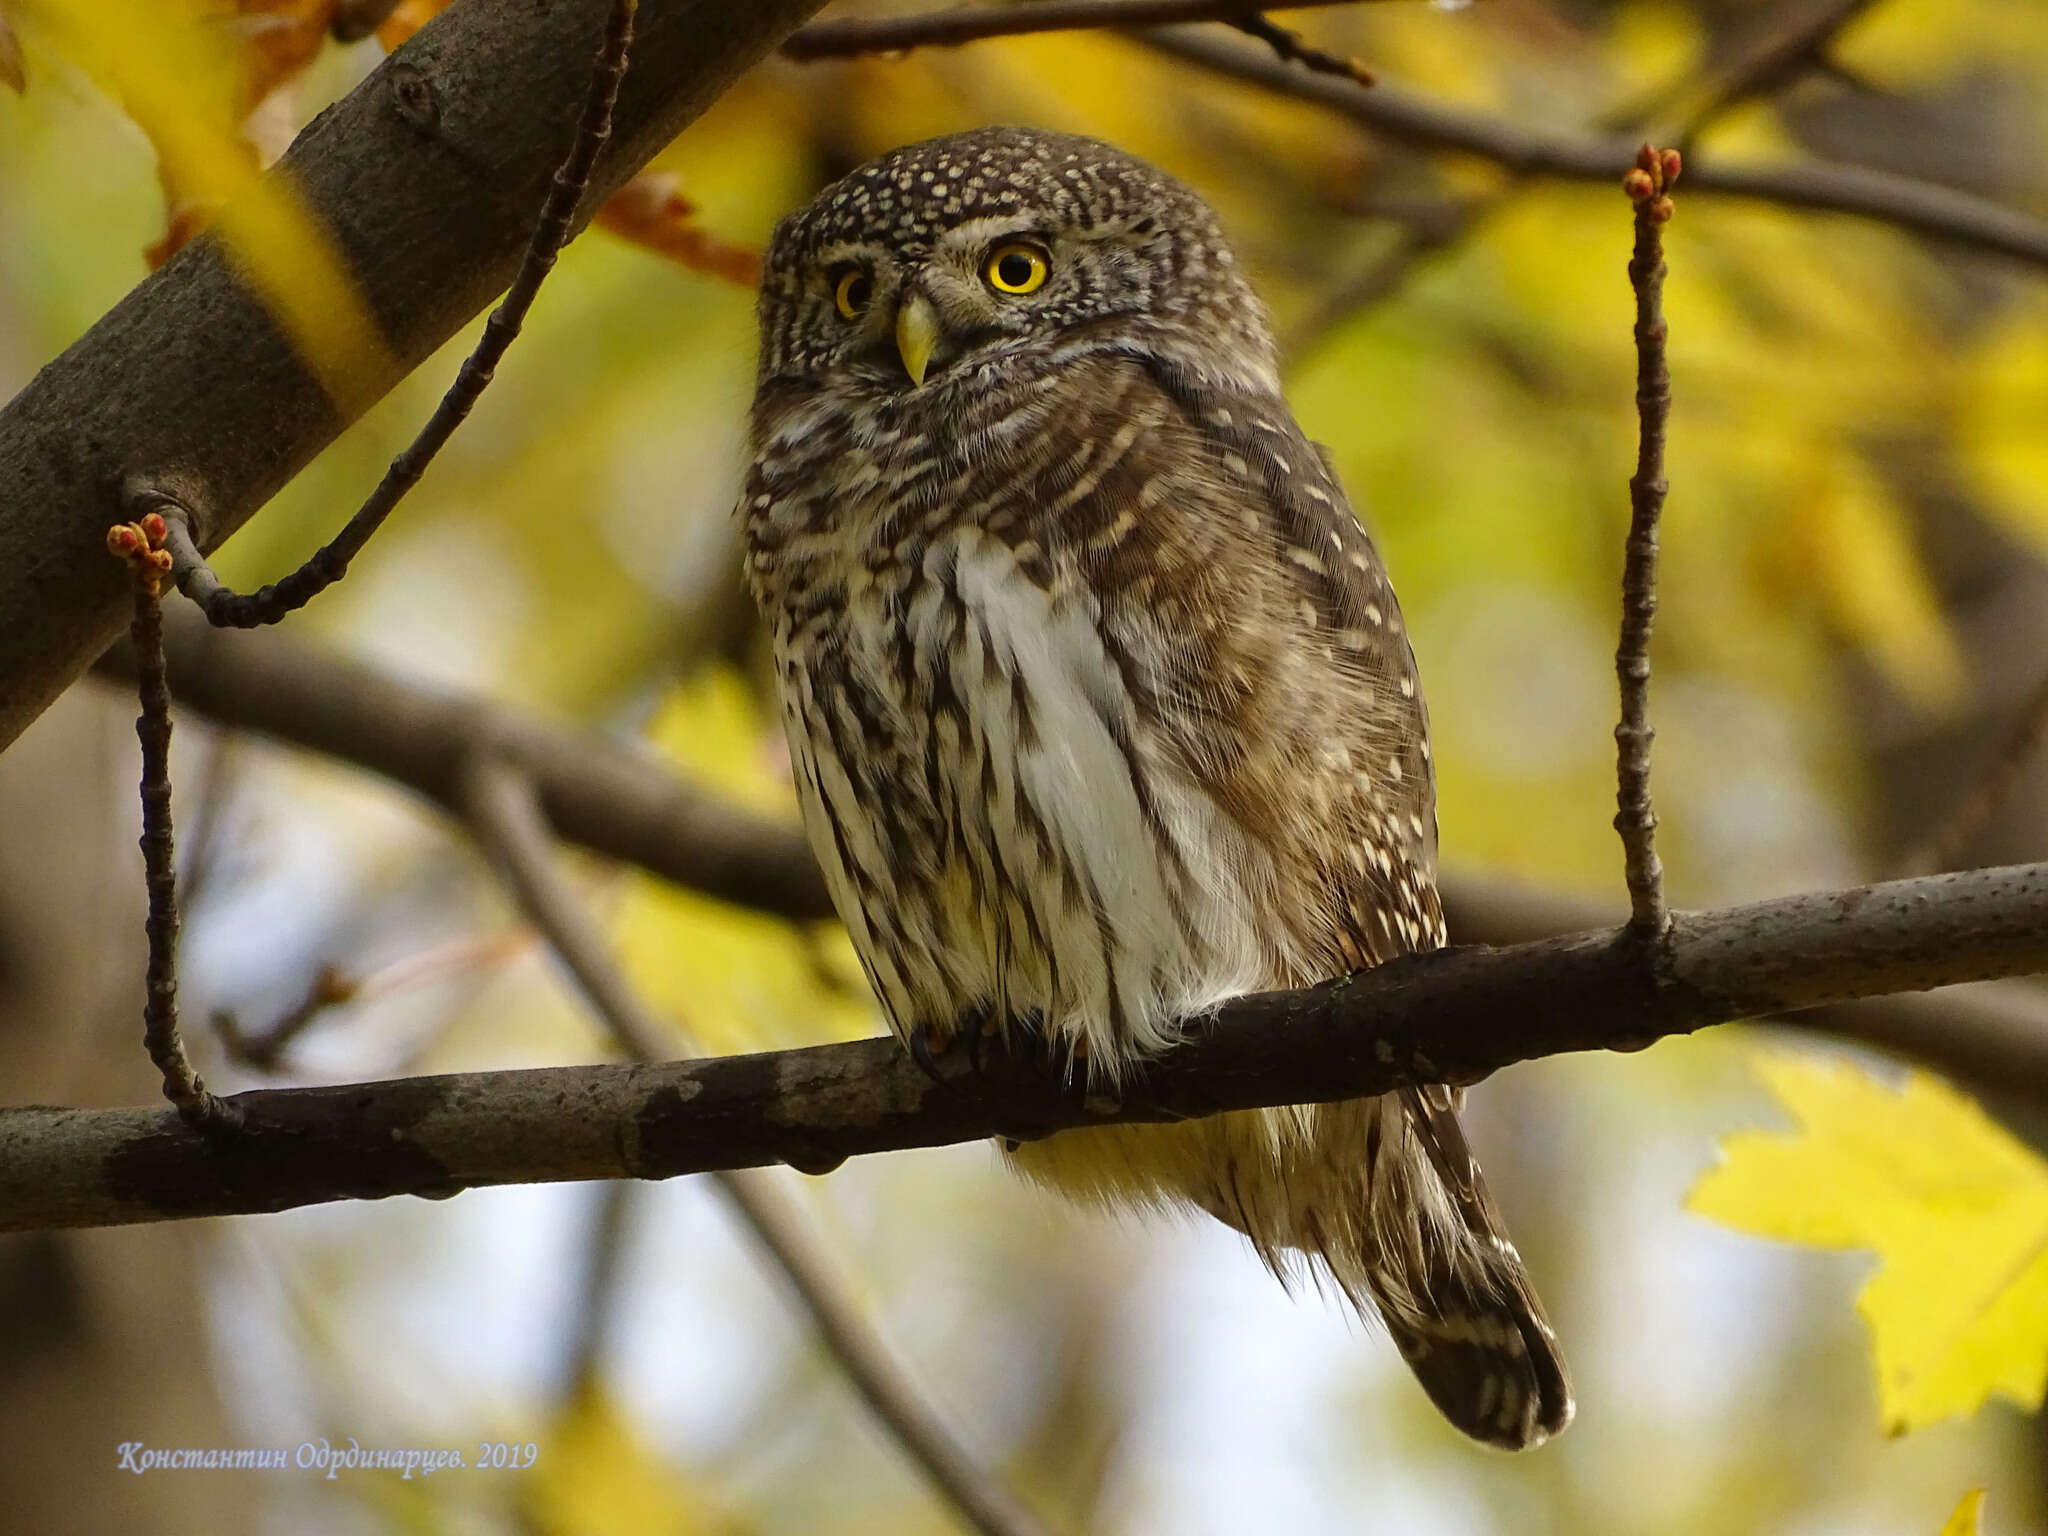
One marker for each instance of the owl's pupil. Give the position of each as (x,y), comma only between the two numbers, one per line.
(857,293)
(1014,270)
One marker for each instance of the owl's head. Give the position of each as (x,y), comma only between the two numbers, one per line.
(949,257)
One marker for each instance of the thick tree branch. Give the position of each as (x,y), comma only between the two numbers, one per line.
(425,177)
(619,800)
(1453,1016)
(1941,213)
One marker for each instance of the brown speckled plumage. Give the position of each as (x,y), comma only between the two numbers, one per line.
(1100,704)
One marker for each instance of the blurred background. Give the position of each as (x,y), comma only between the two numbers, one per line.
(1854,611)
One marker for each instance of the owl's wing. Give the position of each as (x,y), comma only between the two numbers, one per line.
(1288,680)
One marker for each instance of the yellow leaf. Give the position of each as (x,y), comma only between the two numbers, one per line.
(1955,1209)
(1968,1520)
(183,84)
(596,1477)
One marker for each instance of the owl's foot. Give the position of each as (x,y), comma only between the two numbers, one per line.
(928,1045)
(933,1046)
(992,1052)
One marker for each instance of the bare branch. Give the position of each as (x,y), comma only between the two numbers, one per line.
(1990,1036)
(262,1048)
(1940,213)
(139,546)
(1453,1016)
(1648,186)
(504,811)
(852,36)
(1288,46)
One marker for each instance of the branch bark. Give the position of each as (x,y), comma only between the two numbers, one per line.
(1452,1016)
(426,178)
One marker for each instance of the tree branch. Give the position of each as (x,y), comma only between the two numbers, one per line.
(1941,213)
(425,178)
(854,35)
(1453,1016)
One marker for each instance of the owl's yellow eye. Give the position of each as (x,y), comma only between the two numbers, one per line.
(1015,268)
(851,292)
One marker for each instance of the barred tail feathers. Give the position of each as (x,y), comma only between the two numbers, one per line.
(1382,1199)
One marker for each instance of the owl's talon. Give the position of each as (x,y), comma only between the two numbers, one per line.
(919,1042)
(979,1032)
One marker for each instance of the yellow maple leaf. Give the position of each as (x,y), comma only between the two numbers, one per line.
(1955,1208)
(1968,1520)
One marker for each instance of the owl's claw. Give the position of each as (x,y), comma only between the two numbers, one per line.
(987,1047)
(919,1041)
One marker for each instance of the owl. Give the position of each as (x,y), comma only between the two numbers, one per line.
(1099,703)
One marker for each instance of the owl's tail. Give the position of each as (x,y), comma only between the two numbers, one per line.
(1451,1285)
(1383,1198)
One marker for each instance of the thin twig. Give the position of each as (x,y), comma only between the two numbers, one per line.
(260,1049)
(505,814)
(332,987)
(1944,845)
(1648,187)
(551,232)
(971,24)
(1288,45)
(140,546)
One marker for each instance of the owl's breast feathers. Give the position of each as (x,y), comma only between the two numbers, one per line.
(1100,703)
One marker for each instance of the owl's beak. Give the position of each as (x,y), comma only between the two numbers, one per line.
(917,335)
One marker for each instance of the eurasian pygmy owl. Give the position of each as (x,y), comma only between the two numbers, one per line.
(1099,702)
